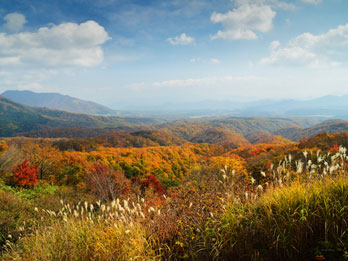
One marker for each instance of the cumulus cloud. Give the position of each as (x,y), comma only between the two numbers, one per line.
(14,22)
(323,50)
(244,21)
(67,44)
(182,39)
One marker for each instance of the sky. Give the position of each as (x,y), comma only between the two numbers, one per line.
(133,53)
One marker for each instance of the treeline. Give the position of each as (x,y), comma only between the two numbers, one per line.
(169,164)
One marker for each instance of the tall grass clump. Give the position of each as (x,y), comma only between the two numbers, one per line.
(80,240)
(88,232)
(303,220)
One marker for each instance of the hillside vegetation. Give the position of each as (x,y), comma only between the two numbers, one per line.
(187,201)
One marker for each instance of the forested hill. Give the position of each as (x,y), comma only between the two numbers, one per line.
(239,125)
(17,118)
(296,133)
(58,101)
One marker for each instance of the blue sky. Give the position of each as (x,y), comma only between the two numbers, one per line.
(124,53)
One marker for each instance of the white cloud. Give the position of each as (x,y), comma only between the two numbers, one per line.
(205,61)
(31,86)
(9,60)
(215,61)
(182,39)
(207,81)
(293,56)
(244,21)
(315,2)
(274,45)
(25,79)
(195,60)
(14,22)
(67,44)
(136,86)
(282,5)
(323,50)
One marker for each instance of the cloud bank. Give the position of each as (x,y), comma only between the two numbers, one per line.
(322,50)
(244,22)
(67,44)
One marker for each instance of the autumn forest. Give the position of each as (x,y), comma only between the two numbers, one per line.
(181,190)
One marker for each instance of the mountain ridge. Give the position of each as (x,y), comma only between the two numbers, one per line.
(18,118)
(58,101)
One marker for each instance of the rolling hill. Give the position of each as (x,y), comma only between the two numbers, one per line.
(223,137)
(240,125)
(296,133)
(58,101)
(257,137)
(230,132)
(17,118)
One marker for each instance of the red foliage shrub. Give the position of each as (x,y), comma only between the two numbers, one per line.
(334,148)
(268,164)
(25,175)
(150,181)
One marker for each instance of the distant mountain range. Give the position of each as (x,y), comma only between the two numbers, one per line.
(58,101)
(16,118)
(326,107)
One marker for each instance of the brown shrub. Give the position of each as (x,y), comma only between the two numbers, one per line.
(107,183)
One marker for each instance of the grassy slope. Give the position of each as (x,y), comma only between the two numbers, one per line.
(299,221)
